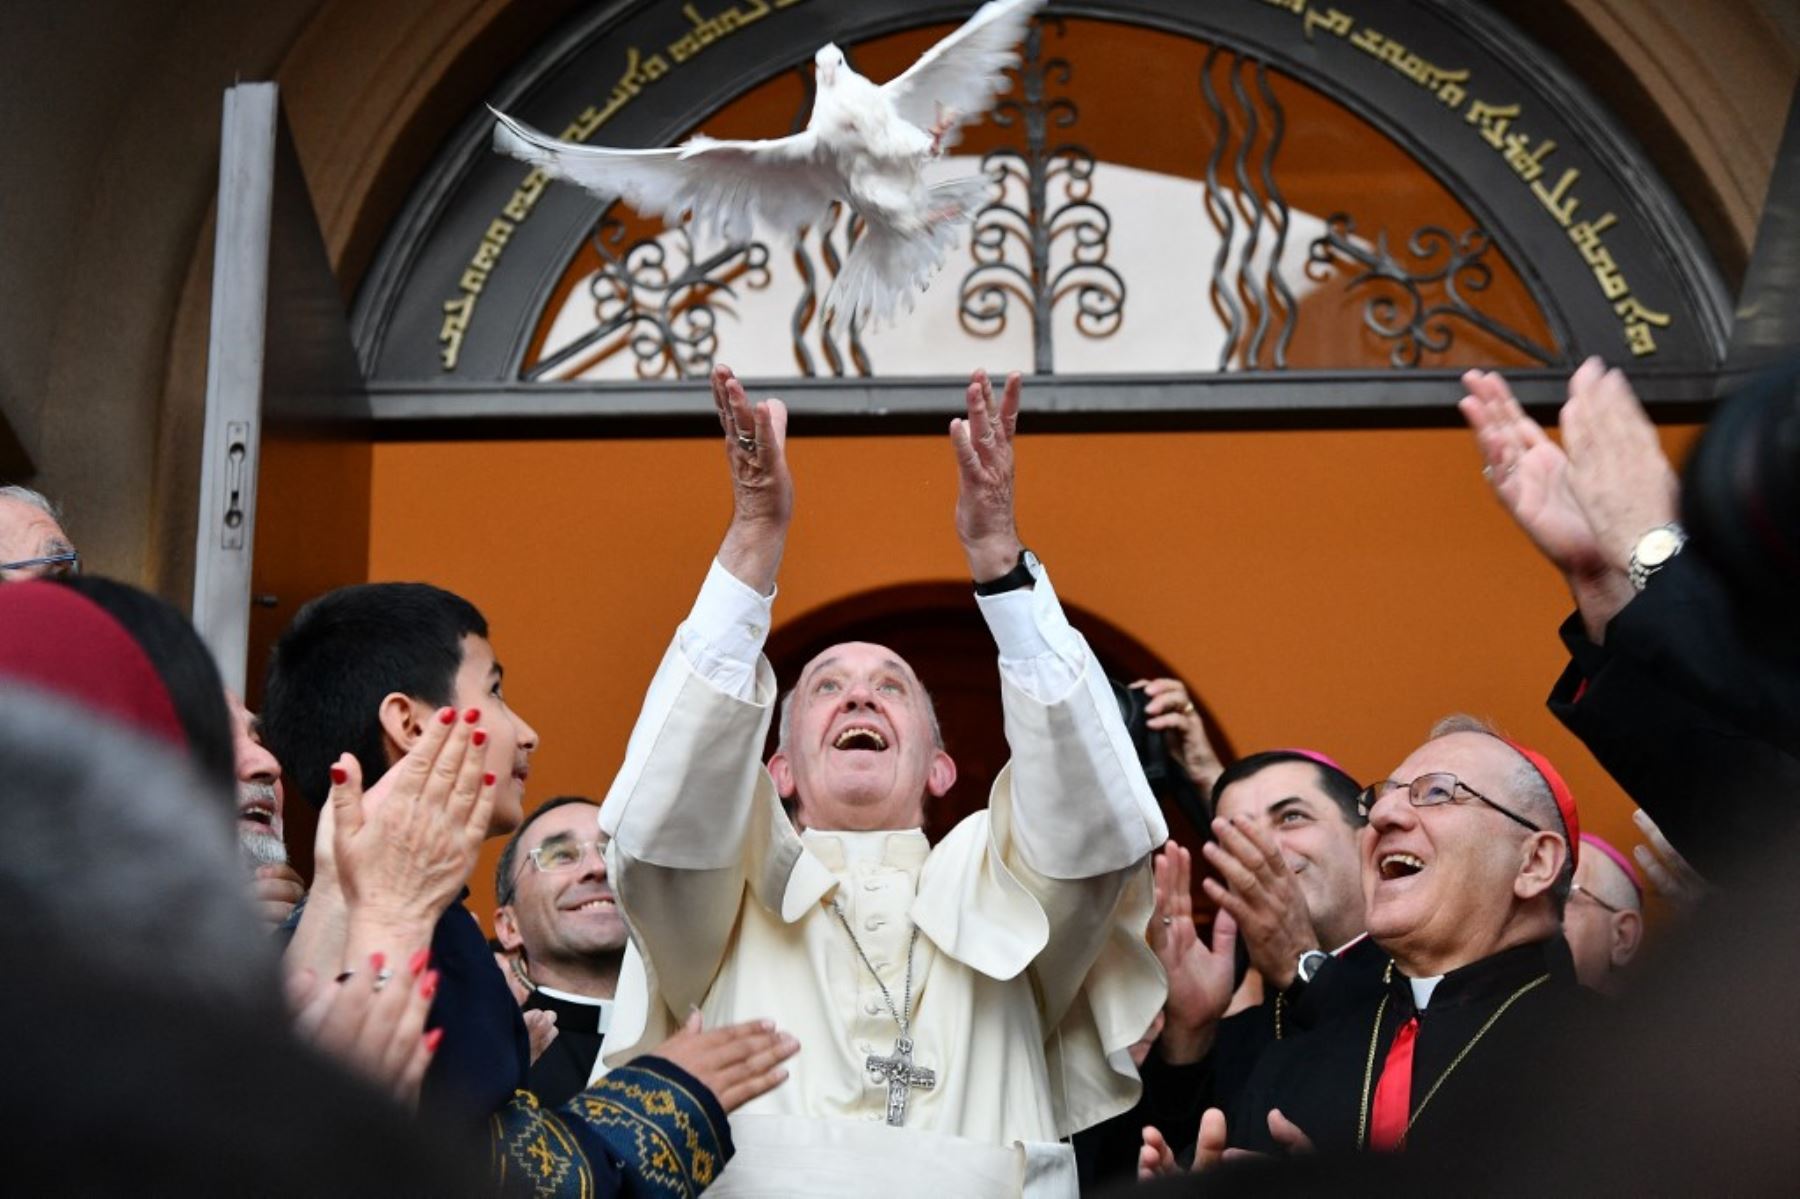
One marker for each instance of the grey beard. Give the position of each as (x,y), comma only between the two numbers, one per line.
(263,848)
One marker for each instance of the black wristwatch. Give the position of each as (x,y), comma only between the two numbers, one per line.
(1309,965)
(1022,575)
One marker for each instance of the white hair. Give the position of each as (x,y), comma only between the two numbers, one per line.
(37,499)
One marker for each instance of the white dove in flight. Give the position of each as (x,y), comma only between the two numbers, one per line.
(864,144)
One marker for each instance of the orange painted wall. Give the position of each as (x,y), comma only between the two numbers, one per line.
(1337,589)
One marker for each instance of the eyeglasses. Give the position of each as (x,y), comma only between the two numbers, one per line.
(50,566)
(1428,791)
(561,854)
(1577,888)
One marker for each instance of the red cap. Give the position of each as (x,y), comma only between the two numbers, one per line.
(1565,799)
(63,643)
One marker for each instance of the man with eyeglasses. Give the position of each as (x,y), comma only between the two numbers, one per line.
(32,542)
(1467,863)
(559,920)
(1604,922)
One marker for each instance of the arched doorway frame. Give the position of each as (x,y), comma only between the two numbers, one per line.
(467,403)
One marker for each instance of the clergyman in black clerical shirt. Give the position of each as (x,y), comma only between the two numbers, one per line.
(559,918)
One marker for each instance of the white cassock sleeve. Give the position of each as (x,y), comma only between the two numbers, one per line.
(1071,823)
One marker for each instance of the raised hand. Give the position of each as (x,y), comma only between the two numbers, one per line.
(404,850)
(1617,469)
(762,491)
(1201,978)
(1669,873)
(737,1062)
(1171,711)
(372,1020)
(1529,474)
(1262,896)
(983,442)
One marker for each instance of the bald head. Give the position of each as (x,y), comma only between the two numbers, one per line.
(1604,921)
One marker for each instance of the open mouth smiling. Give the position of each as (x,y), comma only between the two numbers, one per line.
(862,737)
(1398,865)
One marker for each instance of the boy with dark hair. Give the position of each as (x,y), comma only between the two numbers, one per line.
(397,682)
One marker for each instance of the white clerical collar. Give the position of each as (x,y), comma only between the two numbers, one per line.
(841,849)
(605,1005)
(1422,989)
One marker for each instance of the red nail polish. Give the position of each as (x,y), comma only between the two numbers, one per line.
(433,1039)
(472,715)
(479,737)
(418,961)
(376,961)
(446,715)
(489,778)
(339,776)
(428,988)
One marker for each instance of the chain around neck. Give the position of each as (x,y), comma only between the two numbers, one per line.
(902,1015)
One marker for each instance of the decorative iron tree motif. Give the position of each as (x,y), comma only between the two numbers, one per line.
(1401,311)
(1015,237)
(662,299)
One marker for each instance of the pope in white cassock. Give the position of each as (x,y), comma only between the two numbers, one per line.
(961,1009)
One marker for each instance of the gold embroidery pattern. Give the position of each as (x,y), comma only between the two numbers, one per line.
(659,1131)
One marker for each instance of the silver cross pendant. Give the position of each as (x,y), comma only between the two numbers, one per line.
(900,1075)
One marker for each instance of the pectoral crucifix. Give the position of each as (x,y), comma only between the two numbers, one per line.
(900,1075)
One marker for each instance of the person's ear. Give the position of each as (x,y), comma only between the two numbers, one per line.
(941,776)
(1542,863)
(782,771)
(1627,935)
(402,720)
(506,929)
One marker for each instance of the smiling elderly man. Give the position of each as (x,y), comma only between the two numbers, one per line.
(960,1009)
(1466,868)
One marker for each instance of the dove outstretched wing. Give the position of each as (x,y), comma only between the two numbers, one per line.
(963,73)
(726,186)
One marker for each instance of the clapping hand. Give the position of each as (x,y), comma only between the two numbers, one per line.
(1531,477)
(403,850)
(372,1020)
(1262,895)
(1680,885)
(1201,977)
(1617,468)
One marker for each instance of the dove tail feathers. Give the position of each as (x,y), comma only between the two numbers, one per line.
(887,267)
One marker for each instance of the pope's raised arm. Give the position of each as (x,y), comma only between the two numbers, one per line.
(680,808)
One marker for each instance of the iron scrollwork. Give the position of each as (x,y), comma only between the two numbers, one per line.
(1021,219)
(662,298)
(1443,262)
